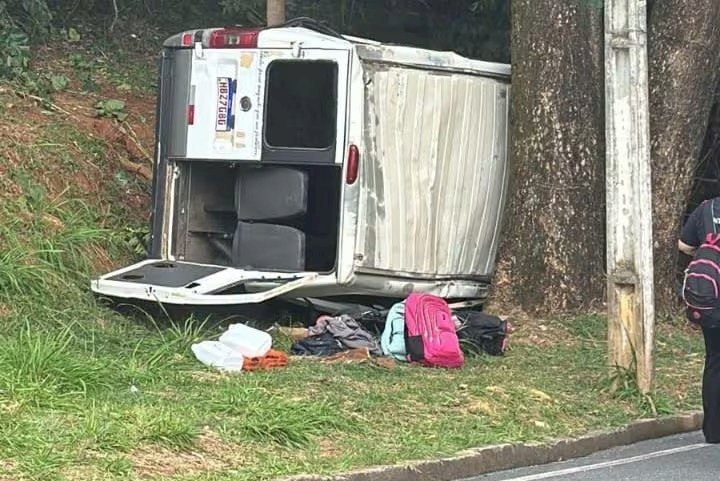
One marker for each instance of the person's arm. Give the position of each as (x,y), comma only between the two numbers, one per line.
(692,232)
(686,248)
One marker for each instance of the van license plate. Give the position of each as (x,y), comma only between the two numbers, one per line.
(223,112)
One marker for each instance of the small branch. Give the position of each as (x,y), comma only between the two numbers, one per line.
(138,169)
(116,15)
(126,129)
(53,106)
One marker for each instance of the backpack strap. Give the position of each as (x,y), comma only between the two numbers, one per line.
(710,220)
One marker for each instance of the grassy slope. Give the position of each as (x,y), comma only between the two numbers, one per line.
(86,394)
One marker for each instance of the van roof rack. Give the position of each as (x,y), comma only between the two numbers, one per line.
(310,24)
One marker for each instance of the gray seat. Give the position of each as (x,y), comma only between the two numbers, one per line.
(271,193)
(267,199)
(268,247)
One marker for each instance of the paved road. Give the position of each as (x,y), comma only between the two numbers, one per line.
(677,458)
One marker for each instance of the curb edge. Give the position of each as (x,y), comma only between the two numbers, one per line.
(475,462)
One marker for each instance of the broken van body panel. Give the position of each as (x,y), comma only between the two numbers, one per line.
(432,193)
(291,162)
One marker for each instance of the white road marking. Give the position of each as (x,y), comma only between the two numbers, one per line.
(607,464)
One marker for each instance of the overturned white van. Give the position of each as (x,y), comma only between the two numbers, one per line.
(295,162)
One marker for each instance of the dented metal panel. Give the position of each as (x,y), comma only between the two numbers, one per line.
(434,173)
(429,59)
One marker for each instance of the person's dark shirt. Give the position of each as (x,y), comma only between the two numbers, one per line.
(693,232)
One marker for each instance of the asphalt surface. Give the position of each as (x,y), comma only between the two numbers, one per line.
(684,457)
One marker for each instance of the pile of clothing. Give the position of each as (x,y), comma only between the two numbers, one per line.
(421,329)
(332,335)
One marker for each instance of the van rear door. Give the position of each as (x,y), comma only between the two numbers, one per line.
(186,283)
(246,106)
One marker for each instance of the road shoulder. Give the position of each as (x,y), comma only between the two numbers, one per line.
(510,456)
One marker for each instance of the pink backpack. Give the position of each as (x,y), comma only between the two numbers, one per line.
(430,332)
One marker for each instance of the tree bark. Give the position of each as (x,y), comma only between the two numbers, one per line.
(553,253)
(684,56)
(275,12)
(710,155)
(707,182)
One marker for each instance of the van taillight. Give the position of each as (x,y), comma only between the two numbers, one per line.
(234,38)
(353,163)
(191,107)
(187,40)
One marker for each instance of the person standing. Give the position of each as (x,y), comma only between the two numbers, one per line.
(700,238)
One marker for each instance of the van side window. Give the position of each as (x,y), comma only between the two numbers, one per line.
(301,104)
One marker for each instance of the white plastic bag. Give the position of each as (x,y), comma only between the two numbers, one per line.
(246,340)
(218,355)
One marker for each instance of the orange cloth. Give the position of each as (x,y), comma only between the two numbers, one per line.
(271,360)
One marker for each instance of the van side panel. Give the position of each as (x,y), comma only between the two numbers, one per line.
(434,173)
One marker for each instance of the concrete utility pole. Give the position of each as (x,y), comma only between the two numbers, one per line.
(631,303)
(275,12)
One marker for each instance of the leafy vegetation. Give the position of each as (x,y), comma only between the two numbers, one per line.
(111,108)
(14,53)
(472,27)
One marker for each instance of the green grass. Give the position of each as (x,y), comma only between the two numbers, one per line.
(67,378)
(88,394)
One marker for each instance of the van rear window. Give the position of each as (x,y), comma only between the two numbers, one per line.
(301,105)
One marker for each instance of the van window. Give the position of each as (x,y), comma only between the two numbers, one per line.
(301,105)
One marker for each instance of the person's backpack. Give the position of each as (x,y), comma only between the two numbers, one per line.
(481,332)
(392,340)
(430,336)
(701,283)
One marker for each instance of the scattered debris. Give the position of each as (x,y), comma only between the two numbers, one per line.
(273,359)
(294,333)
(359,356)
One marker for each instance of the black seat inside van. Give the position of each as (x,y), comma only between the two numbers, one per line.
(269,203)
(276,217)
(271,193)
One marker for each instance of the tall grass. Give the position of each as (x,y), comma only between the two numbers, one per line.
(46,368)
(23,272)
(41,262)
(260,416)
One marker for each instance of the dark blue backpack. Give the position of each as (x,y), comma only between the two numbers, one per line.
(701,283)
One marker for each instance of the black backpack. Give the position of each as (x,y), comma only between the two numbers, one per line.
(701,282)
(480,332)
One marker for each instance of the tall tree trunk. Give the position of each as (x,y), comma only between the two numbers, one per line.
(707,181)
(553,252)
(684,53)
(711,146)
(275,12)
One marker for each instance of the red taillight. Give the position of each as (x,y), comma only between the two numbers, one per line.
(353,164)
(187,40)
(234,38)
(191,114)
